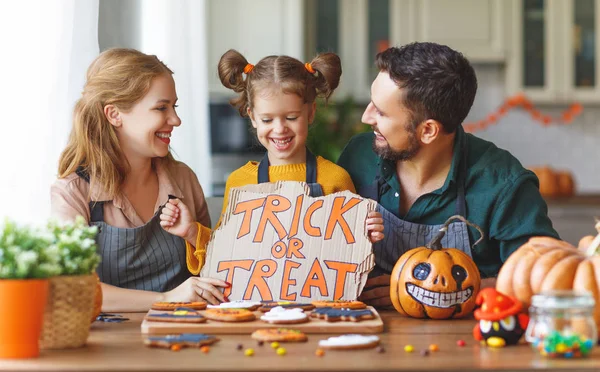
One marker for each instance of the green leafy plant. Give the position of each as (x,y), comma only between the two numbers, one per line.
(26,253)
(57,249)
(76,246)
(333,126)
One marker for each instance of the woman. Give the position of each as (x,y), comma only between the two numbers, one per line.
(118,173)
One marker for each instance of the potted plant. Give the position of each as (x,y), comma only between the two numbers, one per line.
(27,259)
(333,126)
(72,292)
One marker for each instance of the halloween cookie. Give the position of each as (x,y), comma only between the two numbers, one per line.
(168,306)
(350,342)
(180,315)
(182,340)
(268,305)
(333,315)
(249,305)
(230,315)
(340,304)
(279,335)
(279,315)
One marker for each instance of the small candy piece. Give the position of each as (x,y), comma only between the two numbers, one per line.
(175,347)
(409,348)
(205,349)
(261,343)
(239,346)
(280,351)
(424,352)
(561,348)
(461,343)
(433,347)
(380,349)
(320,352)
(275,345)
(249,352)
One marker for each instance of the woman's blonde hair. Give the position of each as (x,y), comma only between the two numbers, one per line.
(119,77)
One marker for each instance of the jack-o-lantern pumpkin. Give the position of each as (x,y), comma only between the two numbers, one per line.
(97,299)
(435,282)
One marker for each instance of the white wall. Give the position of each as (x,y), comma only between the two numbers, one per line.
(574,147)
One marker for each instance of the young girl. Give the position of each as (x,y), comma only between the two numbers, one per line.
(278,94)
(117,172)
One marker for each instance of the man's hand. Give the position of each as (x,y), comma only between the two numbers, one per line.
(377,292)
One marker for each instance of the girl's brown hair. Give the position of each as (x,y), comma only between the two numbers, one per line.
(119,77)
(288,73)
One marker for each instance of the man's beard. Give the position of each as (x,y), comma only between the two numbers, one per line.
(389,154)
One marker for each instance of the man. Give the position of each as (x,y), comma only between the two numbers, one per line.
(422,168)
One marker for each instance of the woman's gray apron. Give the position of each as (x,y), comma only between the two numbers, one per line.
(402,236)
(145,257)
(311,173)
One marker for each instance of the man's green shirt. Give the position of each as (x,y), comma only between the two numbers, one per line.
(502,197)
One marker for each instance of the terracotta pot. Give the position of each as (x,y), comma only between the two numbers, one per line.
(22,304)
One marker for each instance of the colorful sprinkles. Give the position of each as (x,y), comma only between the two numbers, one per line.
(556,344)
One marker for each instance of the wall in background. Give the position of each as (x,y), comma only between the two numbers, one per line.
(575,146)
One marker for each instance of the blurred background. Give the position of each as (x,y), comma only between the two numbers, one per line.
(537,63)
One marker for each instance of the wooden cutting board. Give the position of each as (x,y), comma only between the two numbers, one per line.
(312,326)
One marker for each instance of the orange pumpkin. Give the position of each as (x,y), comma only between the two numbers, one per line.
(566,185)
(554,183)
(548,182)
(97,299)
(545,264)
(435,282)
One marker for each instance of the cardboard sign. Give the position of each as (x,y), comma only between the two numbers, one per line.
(277,243)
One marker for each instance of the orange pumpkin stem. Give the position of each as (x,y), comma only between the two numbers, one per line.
(436,242)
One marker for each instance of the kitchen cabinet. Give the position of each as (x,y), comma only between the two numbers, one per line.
(555,47)
(358,29)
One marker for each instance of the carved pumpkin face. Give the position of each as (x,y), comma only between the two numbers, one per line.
(437,284)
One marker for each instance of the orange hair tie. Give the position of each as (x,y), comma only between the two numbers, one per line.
(248,69)
(309,68)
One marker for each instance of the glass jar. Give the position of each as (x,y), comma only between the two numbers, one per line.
(562,324)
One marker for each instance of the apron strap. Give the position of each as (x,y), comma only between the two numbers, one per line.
(96,207)
(311,168)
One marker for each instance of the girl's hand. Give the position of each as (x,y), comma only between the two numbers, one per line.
(176,219)
(198,289)
(374,226)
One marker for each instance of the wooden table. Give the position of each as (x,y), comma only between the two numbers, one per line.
(118,347)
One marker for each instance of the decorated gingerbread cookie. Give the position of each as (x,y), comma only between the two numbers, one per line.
(180,315)
(182,340)
(249,305)
(230,315)
(279,315)
(168,306)
(341,304)
(350,342)
(268,305)
(279,335)
(334,315)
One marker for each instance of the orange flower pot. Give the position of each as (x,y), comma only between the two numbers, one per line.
(22,304)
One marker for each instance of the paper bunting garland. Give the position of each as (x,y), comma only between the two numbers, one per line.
(520,100)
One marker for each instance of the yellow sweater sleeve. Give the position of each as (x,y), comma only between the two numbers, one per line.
(195,256)
(332,177)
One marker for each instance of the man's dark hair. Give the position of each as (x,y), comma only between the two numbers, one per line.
(439,83)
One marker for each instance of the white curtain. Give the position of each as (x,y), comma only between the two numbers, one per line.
(46,48)
(175,30)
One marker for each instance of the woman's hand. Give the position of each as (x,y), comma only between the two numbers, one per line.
(176,219)
(374,225)
(198,289)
